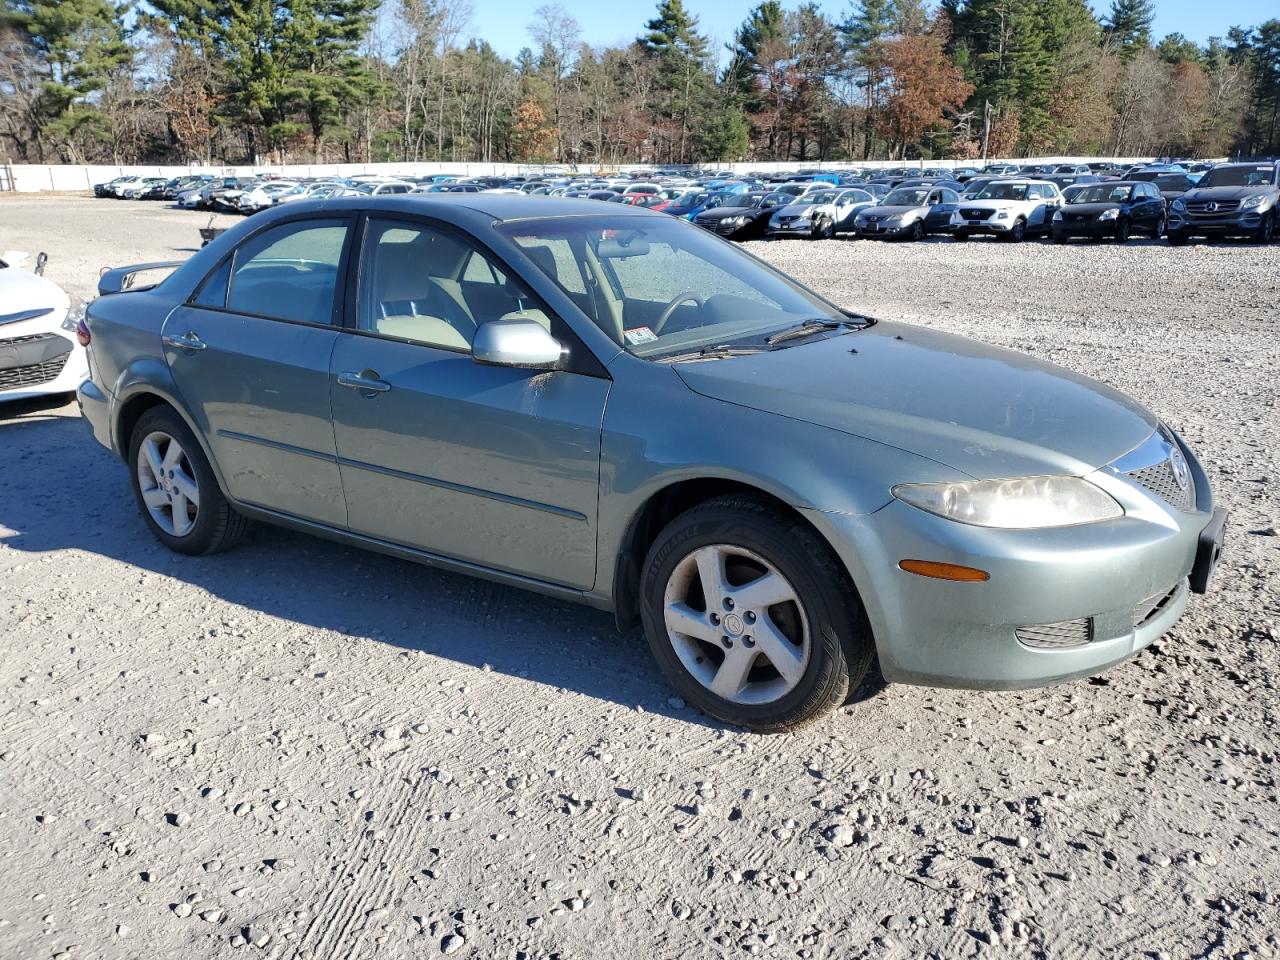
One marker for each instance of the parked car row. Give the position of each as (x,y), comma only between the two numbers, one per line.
(1098,200)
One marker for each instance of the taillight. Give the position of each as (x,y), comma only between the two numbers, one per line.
(83,336)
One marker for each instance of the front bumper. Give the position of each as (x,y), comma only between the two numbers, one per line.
(982,226)
(1095,228)
(1239,224)
(883,230)
(796,228)
(1127,579)
(39,360)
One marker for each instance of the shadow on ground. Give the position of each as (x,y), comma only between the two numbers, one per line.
(61,491)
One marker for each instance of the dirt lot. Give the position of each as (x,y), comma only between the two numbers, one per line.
(301,750)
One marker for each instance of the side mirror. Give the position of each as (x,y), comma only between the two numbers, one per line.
(516,341)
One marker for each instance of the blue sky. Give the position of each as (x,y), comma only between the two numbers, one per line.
(503,22)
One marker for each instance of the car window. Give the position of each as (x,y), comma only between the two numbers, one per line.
(950,196)
(212,291)
(662,286)
(427,285)
(289,272)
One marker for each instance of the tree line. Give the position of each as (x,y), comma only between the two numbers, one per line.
(245,81)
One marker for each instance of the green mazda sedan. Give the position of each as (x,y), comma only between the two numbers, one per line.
(610,405)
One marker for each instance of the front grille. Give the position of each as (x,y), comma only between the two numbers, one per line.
(1055,636)
(975,214)
(29,338)
(1149,608)
(34,374)
(1160,479)
(1212,208)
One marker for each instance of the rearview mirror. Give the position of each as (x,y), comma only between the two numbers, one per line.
(516,341)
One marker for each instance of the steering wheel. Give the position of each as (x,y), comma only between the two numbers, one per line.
(687,297)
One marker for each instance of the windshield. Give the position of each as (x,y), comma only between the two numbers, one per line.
(1100,193)
(907,198)
(664,287)
(1251,176)
(1004,191)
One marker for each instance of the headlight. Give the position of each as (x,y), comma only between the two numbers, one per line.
(1109,214)
(1002,215)
(734,221)
(1025,504)
(75,313)
(1179,204)
(1248,203)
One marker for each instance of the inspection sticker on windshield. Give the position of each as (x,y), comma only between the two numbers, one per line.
(638,335)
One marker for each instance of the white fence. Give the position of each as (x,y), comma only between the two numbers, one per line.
(67,178)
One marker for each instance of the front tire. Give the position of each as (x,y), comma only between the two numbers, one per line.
(1122,231)
(1018,231)
(1267,229)
(751,616)
(917,231)
(176,489)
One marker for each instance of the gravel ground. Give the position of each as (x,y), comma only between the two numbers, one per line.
(301,750)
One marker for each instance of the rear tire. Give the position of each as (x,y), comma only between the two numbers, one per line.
(167,465)
(1158,230)
(734,635)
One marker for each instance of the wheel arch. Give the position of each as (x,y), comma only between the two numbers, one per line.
(664,505)
(135,396)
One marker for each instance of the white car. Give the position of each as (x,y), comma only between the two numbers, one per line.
(263,195)
(117,188)
(40,354)
(1011,209)
(820,214)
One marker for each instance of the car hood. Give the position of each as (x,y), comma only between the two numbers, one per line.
(985,411)
(1224,193)
(1093,208)
(798,209)
(893,211)
(720,213)
(21,293)
(991,204)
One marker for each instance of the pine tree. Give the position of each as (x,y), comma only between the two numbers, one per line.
(866,30)
(673,39)
(1128,25)
(78,44)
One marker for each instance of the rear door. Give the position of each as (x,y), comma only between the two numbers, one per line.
(494,466)
(250,355)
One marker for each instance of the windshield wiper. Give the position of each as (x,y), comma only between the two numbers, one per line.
(710,353)
(807,329)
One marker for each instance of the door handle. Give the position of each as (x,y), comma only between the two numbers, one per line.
(190,341)
(363,382)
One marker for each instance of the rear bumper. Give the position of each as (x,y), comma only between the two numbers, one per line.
(95,407)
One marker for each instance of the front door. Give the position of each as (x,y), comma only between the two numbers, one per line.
(250,356)
(489,465)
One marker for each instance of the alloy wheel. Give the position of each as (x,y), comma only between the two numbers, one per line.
(168,484)
(736,624)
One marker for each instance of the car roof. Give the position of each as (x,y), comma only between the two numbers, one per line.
(497,206)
